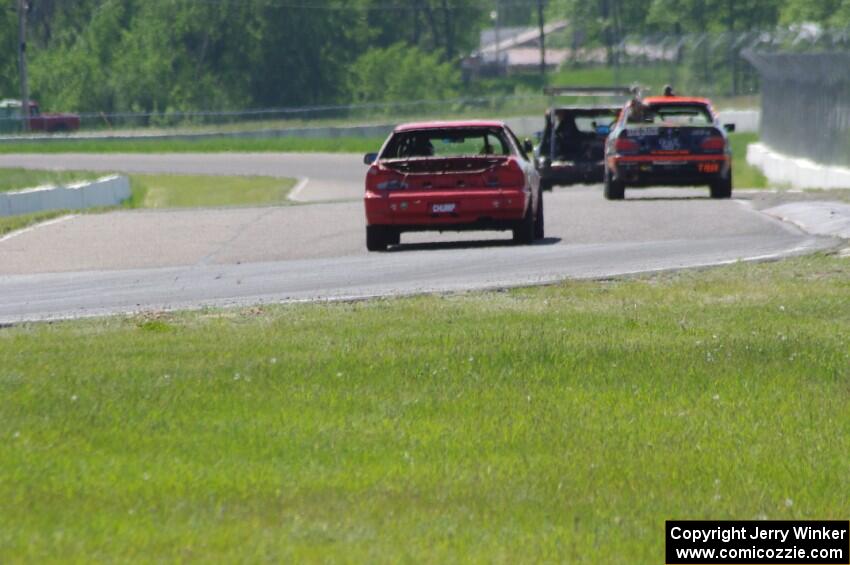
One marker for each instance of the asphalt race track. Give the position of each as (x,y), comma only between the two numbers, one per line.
(142,260)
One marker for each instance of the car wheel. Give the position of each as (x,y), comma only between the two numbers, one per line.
(722,188)
(614,189)
(546,185)
(539,232)
(523,233)
(376,238)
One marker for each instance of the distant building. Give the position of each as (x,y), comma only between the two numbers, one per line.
(512,50)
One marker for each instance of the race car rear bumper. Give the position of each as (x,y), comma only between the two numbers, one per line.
(447,209)
(640,170)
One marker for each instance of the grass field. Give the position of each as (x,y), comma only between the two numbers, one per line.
(191,191)
(208,145)
(15,179)
(9,224)
(563,423)
(156,191)
(744,174)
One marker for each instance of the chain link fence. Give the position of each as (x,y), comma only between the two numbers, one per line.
(11,123)
(706,64)
(733,68)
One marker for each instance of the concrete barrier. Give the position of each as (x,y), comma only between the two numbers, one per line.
(795,172)
(746,121)
(106,191)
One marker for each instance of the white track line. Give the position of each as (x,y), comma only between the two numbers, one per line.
(296,192)
(37,226)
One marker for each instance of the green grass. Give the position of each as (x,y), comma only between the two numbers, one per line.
(653,77)
(745,175)
(190,191)
(156,191)
(9,224)
(15,179)
(553,424)
(206,145)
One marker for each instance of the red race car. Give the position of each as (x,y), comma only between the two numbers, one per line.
(668,141)
(452,176)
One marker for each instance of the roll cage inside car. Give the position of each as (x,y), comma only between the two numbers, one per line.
(450,142)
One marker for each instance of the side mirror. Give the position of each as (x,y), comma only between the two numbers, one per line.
(370,158)
(729,127)
(528,146)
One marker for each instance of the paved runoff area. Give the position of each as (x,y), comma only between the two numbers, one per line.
(127,261)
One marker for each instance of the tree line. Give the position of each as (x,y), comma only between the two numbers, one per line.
(175,55)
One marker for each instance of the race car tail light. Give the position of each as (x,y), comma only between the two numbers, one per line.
(379,179)
(713,144)
(624,145)
(511,174)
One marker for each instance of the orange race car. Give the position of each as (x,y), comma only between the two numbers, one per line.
(668,141)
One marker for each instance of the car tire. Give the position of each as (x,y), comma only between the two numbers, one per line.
(722,188)
(614,189)
(546,185)
(393,236)
(539,231)
(376,238)
(523,233)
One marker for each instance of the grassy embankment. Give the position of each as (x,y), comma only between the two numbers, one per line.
(155,191)
(563,423)
(202,145)
(515,95)
(744,174)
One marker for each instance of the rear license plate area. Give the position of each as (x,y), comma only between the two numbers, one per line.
(444,208)
(665,166)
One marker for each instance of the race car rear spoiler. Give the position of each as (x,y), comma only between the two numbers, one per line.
(587,91)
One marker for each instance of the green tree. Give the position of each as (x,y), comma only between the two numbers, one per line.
(402,73)
(9,62)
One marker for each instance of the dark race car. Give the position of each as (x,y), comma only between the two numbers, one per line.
(572,146)
(668,141)
(452,176)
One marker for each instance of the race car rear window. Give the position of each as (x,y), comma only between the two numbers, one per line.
(590,124)
(453,142)
(680,114)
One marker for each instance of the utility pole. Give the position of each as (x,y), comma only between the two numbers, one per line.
(23,8)
(541,23)
(496,16)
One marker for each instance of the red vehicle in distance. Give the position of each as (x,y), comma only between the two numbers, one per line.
(452,176)
(668,141)
(11,119)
